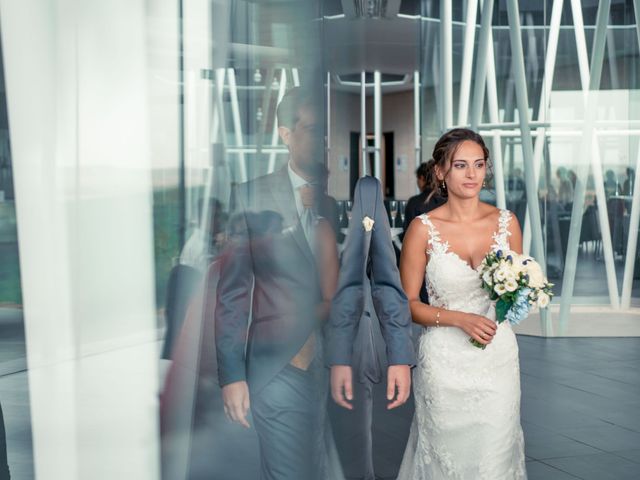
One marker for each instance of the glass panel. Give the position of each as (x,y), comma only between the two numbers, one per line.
(16,449)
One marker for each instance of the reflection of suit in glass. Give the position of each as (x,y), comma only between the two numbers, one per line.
(369,287)
(270,276)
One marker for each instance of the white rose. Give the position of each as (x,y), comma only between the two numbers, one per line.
(500,274)
(536,277)
(518,262)
(368,222)
(500,289)
(543,300)
(511,276)
(511,285)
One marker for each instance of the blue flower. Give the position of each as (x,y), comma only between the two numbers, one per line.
(520,308)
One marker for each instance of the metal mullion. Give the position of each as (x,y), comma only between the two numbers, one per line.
(467,62)
(446,60)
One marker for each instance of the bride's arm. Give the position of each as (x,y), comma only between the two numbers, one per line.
(413,261)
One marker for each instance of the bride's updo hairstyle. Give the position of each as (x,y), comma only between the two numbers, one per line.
(443,153)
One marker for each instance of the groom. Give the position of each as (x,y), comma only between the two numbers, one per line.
(271,301)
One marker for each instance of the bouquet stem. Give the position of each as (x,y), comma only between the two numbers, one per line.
(476,343)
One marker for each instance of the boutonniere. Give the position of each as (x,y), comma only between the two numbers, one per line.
(367,223)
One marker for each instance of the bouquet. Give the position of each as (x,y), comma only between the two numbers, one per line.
(517,284)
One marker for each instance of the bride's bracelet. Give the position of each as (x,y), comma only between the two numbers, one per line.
(438,318)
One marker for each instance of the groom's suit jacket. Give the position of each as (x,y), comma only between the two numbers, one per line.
(269,285)
(369,256)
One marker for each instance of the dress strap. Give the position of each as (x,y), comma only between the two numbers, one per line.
(435,244)
(501,237)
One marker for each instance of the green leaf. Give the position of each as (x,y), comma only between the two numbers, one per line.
(502,307)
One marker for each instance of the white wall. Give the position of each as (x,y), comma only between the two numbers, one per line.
(77,99)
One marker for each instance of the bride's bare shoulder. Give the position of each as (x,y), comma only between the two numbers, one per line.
(419,223)
(489,211)
(438,213)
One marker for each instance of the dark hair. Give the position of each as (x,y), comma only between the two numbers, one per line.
(445,149)
(288,110)
(423,170)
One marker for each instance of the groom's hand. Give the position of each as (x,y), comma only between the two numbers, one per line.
(236,402)
(342,385)
(398,376)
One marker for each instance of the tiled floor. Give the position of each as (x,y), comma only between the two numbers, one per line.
(580,413)
(581,406)
(580,409)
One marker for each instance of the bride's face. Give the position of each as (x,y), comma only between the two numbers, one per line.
(465,173)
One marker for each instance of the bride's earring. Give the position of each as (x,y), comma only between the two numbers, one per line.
(484,184)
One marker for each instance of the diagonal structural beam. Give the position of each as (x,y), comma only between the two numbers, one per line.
(266,101)
(237,123)
(632,240)
(545,98)
(481,64)
(595,163)
(553,233)
(522,101)
(494,117)
(219,126)
(275,137)
(581,42)
(573,243)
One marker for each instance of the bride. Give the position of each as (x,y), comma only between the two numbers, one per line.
(467,417)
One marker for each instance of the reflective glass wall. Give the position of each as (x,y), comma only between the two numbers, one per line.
(157,110)
(428,80)
(566,167)
(16,451)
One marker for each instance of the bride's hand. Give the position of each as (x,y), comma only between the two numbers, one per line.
(478,327)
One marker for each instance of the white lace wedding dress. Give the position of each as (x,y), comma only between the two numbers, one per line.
(467,418)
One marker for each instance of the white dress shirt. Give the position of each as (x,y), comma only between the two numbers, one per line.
(297,182)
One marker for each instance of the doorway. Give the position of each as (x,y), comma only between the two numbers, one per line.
(387,171)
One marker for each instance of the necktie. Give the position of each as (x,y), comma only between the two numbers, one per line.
(309,219)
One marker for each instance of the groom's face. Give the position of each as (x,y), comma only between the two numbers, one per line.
(466,171)
(305,140)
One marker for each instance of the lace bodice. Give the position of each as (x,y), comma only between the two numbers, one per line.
(451,282)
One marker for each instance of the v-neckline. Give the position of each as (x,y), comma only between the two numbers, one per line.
(448,250)
(465,262)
